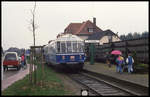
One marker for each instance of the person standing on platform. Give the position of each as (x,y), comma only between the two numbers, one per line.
(108,60)
(130,62)
(119,61)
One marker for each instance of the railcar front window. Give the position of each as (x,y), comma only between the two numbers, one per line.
(63,48)
(74,46)
(58,47)
(80,47)
(69,49)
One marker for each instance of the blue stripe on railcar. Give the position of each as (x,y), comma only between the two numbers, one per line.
(67,58)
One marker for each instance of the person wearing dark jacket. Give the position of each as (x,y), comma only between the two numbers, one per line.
(108,61)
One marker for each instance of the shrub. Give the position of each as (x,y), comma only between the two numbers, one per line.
(136,62)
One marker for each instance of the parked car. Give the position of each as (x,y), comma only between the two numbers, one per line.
(11,60)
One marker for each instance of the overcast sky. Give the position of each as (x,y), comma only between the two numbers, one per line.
(53,17)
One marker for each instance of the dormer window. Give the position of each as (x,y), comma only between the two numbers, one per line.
(90,30)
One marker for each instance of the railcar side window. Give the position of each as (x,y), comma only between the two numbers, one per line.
(63,47)
(69,49)
(58,47)
(46,49)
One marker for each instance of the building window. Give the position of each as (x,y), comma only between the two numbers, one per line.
(90,29)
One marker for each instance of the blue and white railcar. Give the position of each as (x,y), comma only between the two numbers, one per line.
(66,51)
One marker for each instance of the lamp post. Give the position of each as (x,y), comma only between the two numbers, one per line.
(92,51)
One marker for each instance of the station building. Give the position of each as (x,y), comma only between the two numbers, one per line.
(90,32)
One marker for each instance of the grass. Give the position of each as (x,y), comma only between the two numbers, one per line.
(49,84)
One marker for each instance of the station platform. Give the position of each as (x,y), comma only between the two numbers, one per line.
(102,68)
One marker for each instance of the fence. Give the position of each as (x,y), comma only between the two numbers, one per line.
(139,46)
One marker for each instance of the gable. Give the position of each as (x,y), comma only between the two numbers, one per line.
(84,29)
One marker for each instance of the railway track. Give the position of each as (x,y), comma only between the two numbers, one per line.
(131,87)
(98,86)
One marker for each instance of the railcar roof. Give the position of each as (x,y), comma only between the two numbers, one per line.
(69,37)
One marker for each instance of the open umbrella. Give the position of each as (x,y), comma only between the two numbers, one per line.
(116,52)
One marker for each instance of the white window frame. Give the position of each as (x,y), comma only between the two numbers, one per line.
(90,30)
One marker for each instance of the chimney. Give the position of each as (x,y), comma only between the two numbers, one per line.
(94,20)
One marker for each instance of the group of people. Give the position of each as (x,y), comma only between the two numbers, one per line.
(121,63)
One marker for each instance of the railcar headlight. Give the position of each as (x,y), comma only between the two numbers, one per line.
(72,57)
(63,57)
(80,56)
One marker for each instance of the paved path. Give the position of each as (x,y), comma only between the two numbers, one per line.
(142,79)
(11,72)
(11,79)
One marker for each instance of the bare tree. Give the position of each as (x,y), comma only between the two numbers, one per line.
(33,28)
